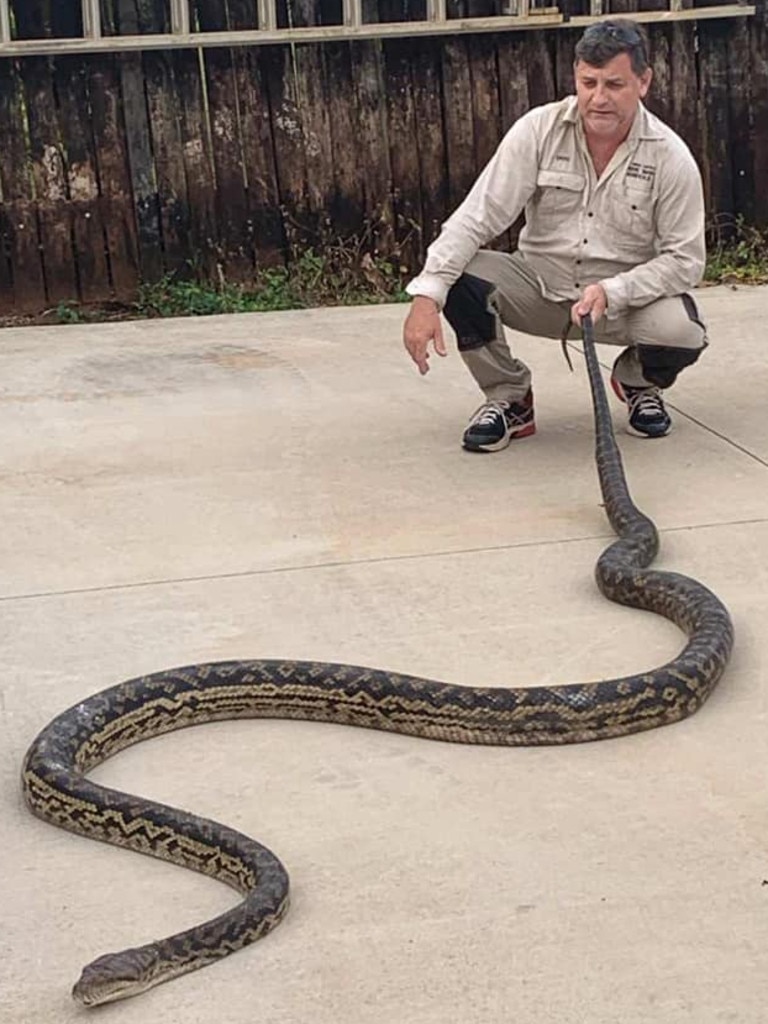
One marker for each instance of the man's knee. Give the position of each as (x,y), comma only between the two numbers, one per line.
(680,339)
(468,311)
(661,363)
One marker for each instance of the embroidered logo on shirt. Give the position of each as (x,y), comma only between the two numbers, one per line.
(642,172)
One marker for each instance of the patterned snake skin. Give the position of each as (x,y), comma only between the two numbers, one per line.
(54,771)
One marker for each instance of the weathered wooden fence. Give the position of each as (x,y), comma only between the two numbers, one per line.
(120,167)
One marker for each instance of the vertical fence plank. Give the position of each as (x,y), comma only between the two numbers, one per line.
(741,140)
(347,205)
(481,51)
(368,78)
(565,42)
(660,58)
(141,162)
(23,283)
(759,75)
(199,170)
(232,215)
(718,178)
(660,95)
(235,228)
(7,297)
(80,161)
(513,98)
(290,157)
(313,103)
(541,69)
(116,196)
(458,119)
(265,222)
(134,17)
(163,102)
(486,108)
(313,100)
(59,256)
(430,138)
(684,100)
(513,79)
(404,155)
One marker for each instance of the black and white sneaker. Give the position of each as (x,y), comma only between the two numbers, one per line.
(647,415)
(495,424)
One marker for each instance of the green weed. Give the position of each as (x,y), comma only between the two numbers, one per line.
(69,313)
(737,252)
(314,279)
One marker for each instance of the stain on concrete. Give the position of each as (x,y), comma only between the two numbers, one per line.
(132,373)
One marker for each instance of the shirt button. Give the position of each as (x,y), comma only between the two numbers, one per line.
(578,262)
(576,285)
(590,214)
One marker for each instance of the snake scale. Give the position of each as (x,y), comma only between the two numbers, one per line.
(55,767)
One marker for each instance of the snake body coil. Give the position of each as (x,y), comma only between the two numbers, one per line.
(54,771)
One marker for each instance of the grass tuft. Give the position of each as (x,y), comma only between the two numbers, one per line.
(314,279)
(737,252)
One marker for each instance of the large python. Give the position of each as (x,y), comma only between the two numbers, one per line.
(55,768)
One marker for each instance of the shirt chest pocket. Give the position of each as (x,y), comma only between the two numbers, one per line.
(630,213)
(558,193)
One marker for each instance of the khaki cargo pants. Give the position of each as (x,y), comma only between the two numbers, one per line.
(500,290)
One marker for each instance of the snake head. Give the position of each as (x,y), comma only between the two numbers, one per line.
(117,976)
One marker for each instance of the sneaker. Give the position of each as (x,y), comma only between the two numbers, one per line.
(494,424)
(645,406)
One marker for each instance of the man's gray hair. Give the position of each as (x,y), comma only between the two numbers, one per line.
(605,40)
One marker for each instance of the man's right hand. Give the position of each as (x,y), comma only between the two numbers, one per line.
(422,326)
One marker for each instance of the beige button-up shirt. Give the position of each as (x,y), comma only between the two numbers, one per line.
(638,229)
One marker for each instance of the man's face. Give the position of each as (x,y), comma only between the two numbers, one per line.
(608,97)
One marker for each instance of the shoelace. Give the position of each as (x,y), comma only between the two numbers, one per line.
(487,413)
(646,403)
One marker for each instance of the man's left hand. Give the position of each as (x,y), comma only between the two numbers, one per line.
(593,301)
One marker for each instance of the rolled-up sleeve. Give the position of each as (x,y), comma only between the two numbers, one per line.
(495,201)
(679,242)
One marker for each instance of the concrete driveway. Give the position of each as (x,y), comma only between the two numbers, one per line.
(286,485)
